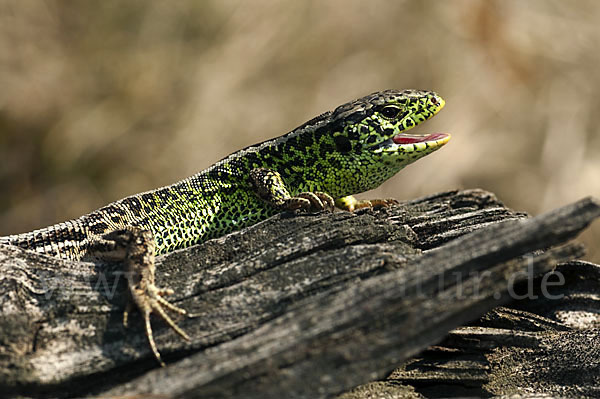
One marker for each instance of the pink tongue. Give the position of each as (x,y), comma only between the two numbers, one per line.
(412,138)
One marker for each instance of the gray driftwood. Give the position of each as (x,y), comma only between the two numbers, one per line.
(314,305)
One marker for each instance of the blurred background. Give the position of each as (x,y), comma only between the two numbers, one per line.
(102,99)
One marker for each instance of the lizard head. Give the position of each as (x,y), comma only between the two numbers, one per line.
(371,133)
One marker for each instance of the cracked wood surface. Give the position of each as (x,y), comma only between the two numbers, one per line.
(296,306)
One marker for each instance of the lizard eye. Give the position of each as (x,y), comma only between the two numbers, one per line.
(390,111)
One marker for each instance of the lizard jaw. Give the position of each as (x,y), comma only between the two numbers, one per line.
(404,138)
(411,142)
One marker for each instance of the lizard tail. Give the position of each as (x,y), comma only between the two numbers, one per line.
(64,240)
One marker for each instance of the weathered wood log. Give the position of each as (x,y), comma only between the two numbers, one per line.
(297,306)
(544,343)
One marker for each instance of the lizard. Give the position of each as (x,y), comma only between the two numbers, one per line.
(316,167)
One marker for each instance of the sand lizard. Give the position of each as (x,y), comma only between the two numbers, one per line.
(316,166)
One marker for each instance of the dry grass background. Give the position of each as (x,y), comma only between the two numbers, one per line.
(102,99)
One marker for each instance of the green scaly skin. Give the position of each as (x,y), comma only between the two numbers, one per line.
(347,151)
(341,153)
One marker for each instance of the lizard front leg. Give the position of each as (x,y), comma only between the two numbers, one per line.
(135,248)
(350,204)
(269,186)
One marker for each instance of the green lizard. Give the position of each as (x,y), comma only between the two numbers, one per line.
(314,167)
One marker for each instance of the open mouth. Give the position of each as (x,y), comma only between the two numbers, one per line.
(408,140)
(404,138)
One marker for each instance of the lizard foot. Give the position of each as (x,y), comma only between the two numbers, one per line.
(136,249)
(269,185)
(309,201)
(351,204)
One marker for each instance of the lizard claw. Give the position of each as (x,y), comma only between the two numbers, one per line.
(309,201)
(327,200)
(151,300)
(137,248)
(377,203)
(352,204)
